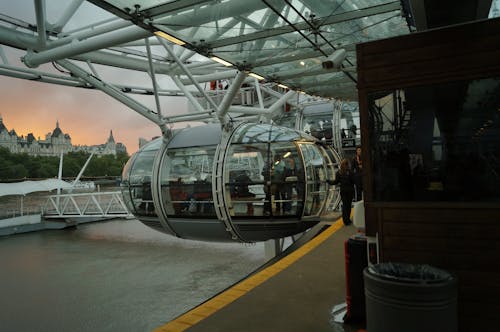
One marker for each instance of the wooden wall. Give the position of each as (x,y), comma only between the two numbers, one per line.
(463,238)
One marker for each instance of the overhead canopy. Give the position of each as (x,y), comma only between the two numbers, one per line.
(302,45)
(287,42)
(26,187)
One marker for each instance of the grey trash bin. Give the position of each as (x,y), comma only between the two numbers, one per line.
(410,298)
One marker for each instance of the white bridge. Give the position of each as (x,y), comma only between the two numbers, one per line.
(85,205)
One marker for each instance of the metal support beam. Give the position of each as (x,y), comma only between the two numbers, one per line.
(187,55)
(225,10)
(167,133)
(186,71)
(329,20)
(270,21)
(92,69)
(102,41)
(304,72)
(234,88)
(259,92)
(276,94)
(40,76)
(66,16)
(275,108)
(121,61)
(90,31)
(40,23)
(17,39)
(2,55)
(191,117)
(153,78)
(110,90)
(187,93)
(248,110)
(34,75)
(222,75)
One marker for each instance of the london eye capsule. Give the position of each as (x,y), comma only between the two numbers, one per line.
(253,183)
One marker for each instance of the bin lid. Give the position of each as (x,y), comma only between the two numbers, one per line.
(410,273)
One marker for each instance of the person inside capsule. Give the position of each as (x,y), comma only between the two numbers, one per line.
(240,193)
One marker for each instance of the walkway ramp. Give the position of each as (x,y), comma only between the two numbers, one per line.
(84,205)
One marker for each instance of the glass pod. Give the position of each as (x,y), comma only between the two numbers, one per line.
(254,183)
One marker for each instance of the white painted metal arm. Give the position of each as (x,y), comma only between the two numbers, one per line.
(188,94)
(110,90)
(166,132)
(106,40)
(40,22)
(234,88)
(66,16)
(186,71)
(276,94)
(259,92)
(222,75)
(248,110)
(275,108)
(2,55)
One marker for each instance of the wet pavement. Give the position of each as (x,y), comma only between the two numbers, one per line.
(111,276)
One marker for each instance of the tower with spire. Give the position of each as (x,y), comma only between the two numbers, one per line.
(110,147)
(60,141)
(8,138)
(54,143)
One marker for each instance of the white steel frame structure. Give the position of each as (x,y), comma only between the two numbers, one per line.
(81,205)
(280,42)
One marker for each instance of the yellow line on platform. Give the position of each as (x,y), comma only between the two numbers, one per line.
(218,302)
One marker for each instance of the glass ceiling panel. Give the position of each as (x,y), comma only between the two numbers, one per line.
(366,29)
(338,77)
(283,40)
(144,4)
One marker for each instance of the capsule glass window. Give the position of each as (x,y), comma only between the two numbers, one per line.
(139,179)
(244,179)
(186,182)
(316,189)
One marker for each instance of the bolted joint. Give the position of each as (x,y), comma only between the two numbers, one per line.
(27,59)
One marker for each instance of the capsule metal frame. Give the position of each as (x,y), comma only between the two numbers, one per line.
(253,182)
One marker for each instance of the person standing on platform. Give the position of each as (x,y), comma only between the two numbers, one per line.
(357,170)
(345,179)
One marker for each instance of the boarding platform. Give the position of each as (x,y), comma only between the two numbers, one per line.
(295,293)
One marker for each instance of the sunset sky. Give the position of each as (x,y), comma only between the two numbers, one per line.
(86,115)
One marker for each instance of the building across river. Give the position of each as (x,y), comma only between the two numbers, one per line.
(54,143)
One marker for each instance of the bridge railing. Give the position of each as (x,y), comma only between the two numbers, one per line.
(94,204)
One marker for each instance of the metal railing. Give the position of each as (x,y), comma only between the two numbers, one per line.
(94,204)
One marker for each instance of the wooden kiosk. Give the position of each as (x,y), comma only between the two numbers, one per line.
(430,121)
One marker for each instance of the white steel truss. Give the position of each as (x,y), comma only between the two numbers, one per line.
(95,204)
(268,38)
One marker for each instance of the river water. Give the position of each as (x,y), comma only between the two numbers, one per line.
(111,276)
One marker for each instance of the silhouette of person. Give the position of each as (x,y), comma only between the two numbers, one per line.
(357,170)
(345,180)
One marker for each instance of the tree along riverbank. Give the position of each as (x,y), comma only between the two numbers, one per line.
(21,166)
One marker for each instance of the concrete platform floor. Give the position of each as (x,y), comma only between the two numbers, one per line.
(297,293)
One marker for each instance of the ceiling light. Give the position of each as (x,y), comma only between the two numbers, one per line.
(283,86)
(302,63)
(256,76)
(170,38)
(221,61)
